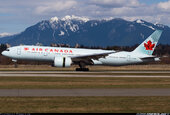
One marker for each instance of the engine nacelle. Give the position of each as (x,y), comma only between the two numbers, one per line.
(62,62)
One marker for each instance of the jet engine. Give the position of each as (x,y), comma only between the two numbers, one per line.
(62,62)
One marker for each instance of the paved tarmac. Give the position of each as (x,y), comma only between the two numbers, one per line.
(80,74)
(83,92)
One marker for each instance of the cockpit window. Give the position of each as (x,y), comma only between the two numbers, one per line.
(7,49)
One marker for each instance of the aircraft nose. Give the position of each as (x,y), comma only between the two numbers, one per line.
(4,53)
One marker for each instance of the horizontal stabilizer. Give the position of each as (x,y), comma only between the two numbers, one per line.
(146,59)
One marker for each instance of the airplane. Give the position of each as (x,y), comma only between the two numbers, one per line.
(65,57)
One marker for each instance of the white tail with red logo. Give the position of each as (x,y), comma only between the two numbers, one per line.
(148,46)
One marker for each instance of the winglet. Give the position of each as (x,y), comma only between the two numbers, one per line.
(148,46)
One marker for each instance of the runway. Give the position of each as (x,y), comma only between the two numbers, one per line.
(83,74)
(82,92)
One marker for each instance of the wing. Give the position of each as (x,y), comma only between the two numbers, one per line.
(87,59)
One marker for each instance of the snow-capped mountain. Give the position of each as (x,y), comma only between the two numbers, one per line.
(103,32)
(5,34)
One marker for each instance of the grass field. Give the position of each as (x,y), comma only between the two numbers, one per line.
(75,82)
(84,104)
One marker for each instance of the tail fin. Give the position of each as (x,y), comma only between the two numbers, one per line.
(148,46)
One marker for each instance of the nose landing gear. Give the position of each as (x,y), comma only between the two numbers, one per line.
(15,63)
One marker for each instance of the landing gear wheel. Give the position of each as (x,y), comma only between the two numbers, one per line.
(82,66)
(15,63)
(82,69)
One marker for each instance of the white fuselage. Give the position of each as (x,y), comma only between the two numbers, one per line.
(42,53)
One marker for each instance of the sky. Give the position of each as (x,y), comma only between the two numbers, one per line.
(17,15)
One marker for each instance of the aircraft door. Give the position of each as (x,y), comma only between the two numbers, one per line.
(128,57)
(18,51)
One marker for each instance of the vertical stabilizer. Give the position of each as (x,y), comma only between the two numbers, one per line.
(148,46)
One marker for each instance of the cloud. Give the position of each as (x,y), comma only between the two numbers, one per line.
(115,3)
(55,6)
(164,6)
(23,13)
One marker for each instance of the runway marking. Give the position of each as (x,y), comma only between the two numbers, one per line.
(77,75)
(83,74)
(83,92)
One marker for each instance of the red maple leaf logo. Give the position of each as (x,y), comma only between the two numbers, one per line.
(26,49)
(149,45)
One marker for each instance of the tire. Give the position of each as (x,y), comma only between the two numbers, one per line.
(82,69)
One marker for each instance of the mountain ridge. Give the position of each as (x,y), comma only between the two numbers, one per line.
(80,30)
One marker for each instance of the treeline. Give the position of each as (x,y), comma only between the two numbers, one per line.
(4,60)
(161,50)
(3,47)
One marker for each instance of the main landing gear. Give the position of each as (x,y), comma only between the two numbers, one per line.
(82,67)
